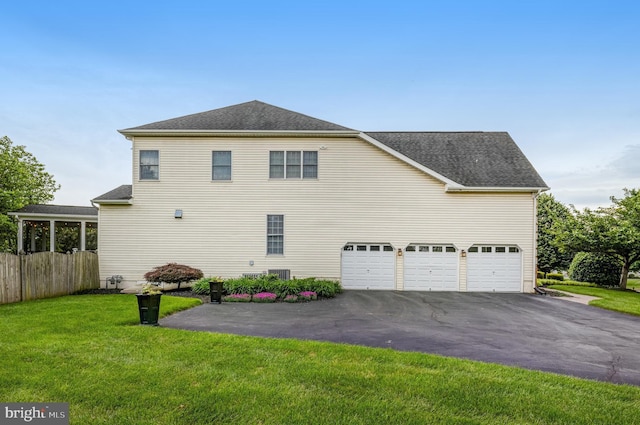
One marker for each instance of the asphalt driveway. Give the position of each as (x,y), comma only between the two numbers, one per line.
(530,331)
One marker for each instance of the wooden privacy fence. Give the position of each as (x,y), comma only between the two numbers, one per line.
(46,275)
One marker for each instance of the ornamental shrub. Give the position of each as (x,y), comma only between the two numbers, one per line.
(601,269)
(173,273)
(282,288)
(201,287)
(555,276)
(540,275)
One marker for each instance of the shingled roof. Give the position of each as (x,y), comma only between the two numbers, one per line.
(58,210)
(120,193)
(472,159)
(463,160)
(254,115)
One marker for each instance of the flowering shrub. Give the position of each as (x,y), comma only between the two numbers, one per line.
(308,295)
(264,297)
(291,299)
(237,298)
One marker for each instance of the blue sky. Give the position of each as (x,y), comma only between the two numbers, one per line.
(562,77)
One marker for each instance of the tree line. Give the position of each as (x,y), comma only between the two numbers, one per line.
(611,232)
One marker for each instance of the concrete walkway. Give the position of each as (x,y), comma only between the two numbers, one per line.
(531,331)
(576,298)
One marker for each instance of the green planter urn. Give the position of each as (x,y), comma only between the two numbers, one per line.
(149,308)
(215,290)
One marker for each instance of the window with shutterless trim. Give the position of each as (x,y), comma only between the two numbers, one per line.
(149,165)
(275,234)
(221,165)
(293,164)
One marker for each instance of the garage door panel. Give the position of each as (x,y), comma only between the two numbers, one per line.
(494,269)
(368,266)
(431,268)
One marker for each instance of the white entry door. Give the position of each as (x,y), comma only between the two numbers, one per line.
(429,267)
(368,266)
(495,268)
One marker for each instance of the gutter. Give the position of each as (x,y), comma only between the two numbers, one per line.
(460,188)
(113,202)
(67,217)
(235,133)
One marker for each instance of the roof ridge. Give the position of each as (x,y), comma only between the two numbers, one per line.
(252,115)
(438,132)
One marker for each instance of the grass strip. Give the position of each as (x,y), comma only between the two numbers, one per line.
(623,301)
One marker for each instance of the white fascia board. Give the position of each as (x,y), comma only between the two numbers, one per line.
(495,189)
(448,182)
(57,217)
(113,201)
(241,133)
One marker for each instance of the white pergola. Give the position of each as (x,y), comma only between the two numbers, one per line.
(52,214)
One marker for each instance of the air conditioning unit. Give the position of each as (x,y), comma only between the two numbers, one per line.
(283,274)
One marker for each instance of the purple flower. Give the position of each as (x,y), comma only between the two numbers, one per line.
(264,297)
(238,298)
(309,294)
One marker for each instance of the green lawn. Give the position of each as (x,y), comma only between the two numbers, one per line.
(612,299)
(88,351)
(633,284)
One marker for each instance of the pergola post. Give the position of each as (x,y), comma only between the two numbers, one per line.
(83,235)
(52,235)
(19,242)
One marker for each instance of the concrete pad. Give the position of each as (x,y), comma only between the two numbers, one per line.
(531,331)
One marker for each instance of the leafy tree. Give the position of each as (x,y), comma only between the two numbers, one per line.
(550,257)
(614,230)
(23,181)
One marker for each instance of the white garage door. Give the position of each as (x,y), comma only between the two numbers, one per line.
(431,268)
(368,266)
(494,268)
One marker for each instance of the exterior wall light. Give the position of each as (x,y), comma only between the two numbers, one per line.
(399,252)
(463,253)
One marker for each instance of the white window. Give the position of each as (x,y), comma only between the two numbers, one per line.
(149,165)
(275,234)
(293,165)
(221,165)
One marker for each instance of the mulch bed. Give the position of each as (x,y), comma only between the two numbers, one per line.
(187,293)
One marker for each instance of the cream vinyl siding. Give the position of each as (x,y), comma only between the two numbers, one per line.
(361,194)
